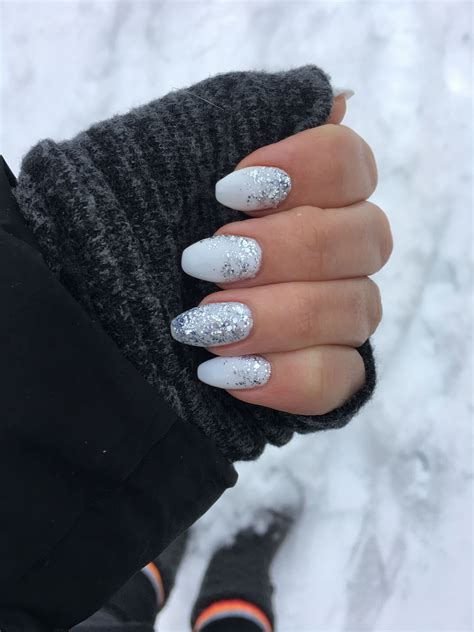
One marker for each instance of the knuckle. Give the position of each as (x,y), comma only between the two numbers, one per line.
(340,136)
(366,310)
(349,149)
(374,306)
(338,153)
(311,237)
(370,168)
(386,238)
(380,235)
(358,311)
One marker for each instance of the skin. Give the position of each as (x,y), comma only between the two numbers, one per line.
(312,300)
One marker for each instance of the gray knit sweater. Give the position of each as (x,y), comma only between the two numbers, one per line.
(113,208)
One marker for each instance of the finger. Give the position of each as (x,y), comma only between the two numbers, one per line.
(329,166)
(285,317)
(302,244)
(310,381)
(338,109)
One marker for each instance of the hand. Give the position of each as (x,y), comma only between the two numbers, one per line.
(300,298)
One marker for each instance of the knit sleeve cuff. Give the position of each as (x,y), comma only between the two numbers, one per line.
(341,416)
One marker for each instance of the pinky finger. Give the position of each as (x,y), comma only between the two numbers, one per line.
(311,381)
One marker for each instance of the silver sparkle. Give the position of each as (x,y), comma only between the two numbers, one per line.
(242,257)
(213,324)
(268,187)
(248,371)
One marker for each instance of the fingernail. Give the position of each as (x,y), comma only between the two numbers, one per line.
(222,258)
(346,92)
(213,324)
(253,188)
(235,373)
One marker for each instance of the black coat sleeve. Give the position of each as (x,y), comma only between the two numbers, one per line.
(97,473)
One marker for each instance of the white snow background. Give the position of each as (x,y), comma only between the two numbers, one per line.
(385,540)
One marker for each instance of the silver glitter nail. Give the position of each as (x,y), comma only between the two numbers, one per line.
(213,324)
(236,372)
(233,258)
(268,187)
(253,188)
(247,371)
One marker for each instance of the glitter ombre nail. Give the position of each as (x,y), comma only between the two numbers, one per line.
(238,372)
(222,258)
(213,324)
(253,188)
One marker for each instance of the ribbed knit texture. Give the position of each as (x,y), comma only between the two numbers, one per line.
(113,208)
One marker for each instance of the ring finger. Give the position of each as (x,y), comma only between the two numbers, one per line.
(282,317)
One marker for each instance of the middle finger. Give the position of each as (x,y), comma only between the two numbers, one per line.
(282,317)
(302,244)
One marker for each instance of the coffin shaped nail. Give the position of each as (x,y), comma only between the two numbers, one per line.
(236,372)
(253,188)
(222,259)
(213,324)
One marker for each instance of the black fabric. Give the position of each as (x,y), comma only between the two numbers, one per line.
(232,624)
(97,473)
(135,602)
(114,207)
(105,626)
(103,618)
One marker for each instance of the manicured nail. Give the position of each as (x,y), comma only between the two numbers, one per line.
(238,372)
(346,92)
(213,324)
(253,188)
(222,258)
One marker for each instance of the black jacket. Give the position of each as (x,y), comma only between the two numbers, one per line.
(97,474)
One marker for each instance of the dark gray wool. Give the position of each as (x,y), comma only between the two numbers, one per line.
(113,208)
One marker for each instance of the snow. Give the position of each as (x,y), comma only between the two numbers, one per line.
(385,539)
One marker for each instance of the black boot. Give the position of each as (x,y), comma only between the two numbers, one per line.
(236,592)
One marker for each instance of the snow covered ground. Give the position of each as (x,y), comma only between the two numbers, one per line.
(385,541)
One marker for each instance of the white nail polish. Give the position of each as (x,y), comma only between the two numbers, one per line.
(235,373)
(253,188)
(222,259)
(346,92)
(213,324)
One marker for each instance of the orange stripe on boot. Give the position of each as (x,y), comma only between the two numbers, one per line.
(233,608)
(154,576)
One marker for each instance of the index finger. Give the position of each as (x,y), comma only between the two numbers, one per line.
(327,167)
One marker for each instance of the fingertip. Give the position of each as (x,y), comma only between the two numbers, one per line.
(338,111)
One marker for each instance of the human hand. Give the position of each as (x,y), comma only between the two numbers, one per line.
(296,298)
(114,208)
